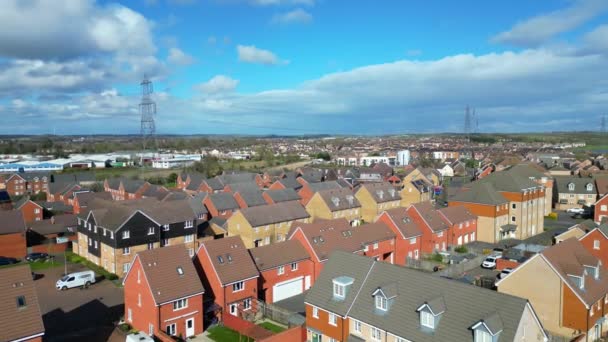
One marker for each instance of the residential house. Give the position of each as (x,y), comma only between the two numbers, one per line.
(110,233)
(416,191)
(600,214)
(62,192)
(286,183)
(5,200)
(19,309)
(241,187)
(266,224)
(459,168)
(82,199)
(407,232)
(286,270)
(124,189)
(462,225)
(309,189)
(435,230)
(18,184)
(539,175)
(53,235)
(572,296)
(359,299)
(574,192)
(221,204)
(163,293)
(446,171)
(229,275)
(31,210)
(601,184)
(374,240)
(278,196)
(375,198)
(249,198)
(596,242)
(211,185)
(12,234)
(577,231)
(333,204)
(507,204)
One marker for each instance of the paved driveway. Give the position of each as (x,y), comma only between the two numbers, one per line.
(77,314)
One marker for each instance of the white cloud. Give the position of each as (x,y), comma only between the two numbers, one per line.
(218,84)
(298,15)
(252,54)
(179,57)
(537,30)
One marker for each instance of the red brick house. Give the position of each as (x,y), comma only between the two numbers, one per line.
(596,242)
(31,210)
(163,292)
(462,225)
(322,237)
(601,210)
(285,270)
(12,234)
(434,228)
(407,234)
(62,192)
(15,185)
(221,204)
(229,275)
(82,199)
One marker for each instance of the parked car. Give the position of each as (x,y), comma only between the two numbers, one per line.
(36,256)
(505,272)
(77,279)
(490,262)
(8,261)
(576,211)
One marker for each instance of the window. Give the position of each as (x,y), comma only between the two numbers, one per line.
(440,234)
(267,240)
(151,245)
(514,206)
(604,208)
(247,304)
(338,290)
(376,334)
(482,336)
(357,327)
(139,300)
(333,319)
(188,238)
(189,224)
(191,252)
(180,304)
(126,250)
(111,235)
(238,286)
(412,241)
(294,266)
(138,277)
(151,231)
(381,303)
(427,319)
(129,315)
(315,311)
(171,329)
(21,302)
(125,267)
(281,270)
(512,218)
(166,227)
(460,226)
(164,242)
(37,211)
(96,244)
(125,234)
(596,244)
(375,245)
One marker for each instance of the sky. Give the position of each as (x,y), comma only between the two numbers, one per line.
(303,66)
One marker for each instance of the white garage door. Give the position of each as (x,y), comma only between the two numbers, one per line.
(287,289)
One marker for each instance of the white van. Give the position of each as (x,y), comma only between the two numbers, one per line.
(77,279)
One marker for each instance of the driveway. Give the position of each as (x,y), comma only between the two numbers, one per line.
(78,314)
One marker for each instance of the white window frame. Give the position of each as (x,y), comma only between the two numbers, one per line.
(339,290)
(482,336)
(189,238)
(150,230)
(294,266)
(281,270)
(126,234)
(427,319)
(165,227)
(126,250)
(189,224)
(171,329)
(180,304)
(332,319)
(247,304)
(376,334)
(596,244)
(381,303)
(357,326)
(315,311)
(375,245)
(238,286)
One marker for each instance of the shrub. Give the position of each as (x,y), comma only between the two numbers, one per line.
(125,327)
(552,216)
(437,257)
(461,249)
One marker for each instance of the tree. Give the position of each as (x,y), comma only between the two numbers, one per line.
(323,155)
(172,178)
(210,167)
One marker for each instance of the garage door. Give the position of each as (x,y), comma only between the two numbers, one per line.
(287,289)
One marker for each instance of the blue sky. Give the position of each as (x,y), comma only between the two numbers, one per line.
(303,66)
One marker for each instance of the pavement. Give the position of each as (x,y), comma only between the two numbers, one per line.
(78,314)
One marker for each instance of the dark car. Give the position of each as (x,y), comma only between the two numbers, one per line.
(8,261)
(36,256)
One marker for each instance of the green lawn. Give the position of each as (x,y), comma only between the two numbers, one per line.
(43,265)
(272,327)
(223,334)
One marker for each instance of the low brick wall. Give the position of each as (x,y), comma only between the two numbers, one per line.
(245,327)
(295,334)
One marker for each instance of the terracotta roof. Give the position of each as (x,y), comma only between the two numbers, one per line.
(431,216)
(339,199)
(569,258)
(274,213)
(382,192)
(404,222)
(18,323)
(277,254)
(11,222)
(170,273)
(326,236)
(230,259)
(601,183)
(457,214)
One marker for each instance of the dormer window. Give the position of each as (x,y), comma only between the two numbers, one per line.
(589,187)
(488,329)
(430,313)
(571,186)
(381,303)
(482,336)
(341,285)
(427,319)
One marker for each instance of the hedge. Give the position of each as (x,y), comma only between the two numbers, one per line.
(77,259)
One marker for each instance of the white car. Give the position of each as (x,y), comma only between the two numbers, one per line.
(490,262)
(579,211)
(77,279)
(505,272)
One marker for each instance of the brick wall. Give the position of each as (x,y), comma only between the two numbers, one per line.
(295,334)
(13,245)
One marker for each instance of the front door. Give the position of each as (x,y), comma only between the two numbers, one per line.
(306,283)
(190,327)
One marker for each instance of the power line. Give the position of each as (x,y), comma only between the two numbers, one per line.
(147,110)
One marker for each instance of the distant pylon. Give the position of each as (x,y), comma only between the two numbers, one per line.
(147,109)
(603,124)
(467,122)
